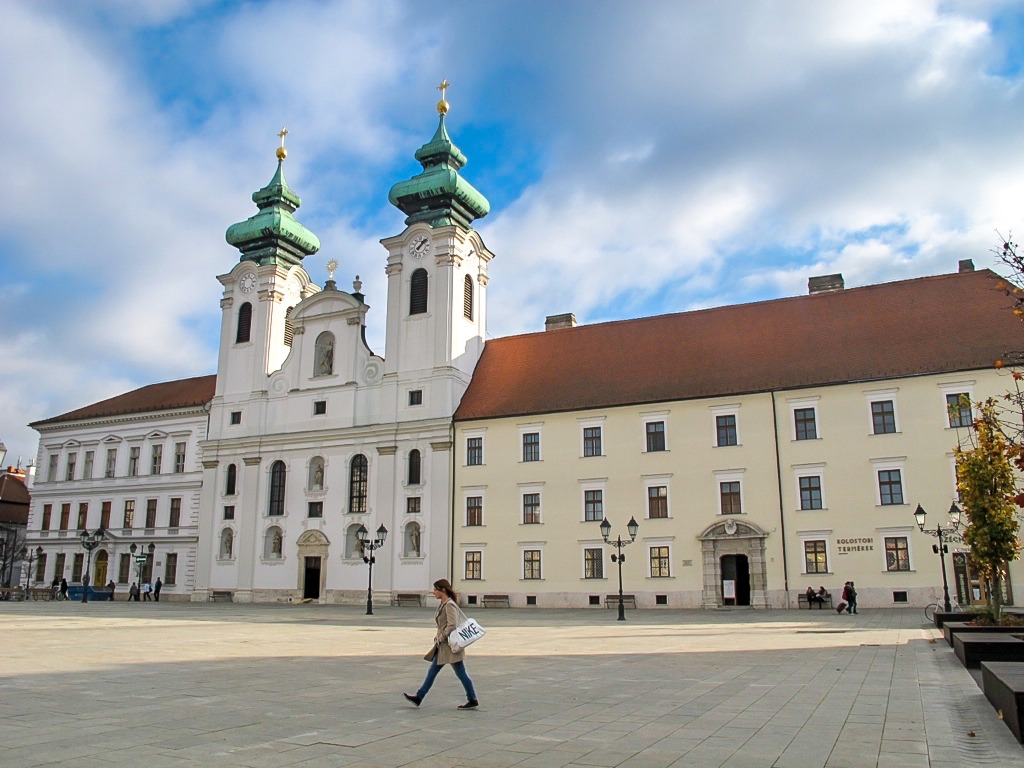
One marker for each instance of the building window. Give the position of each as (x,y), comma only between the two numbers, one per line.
(236,417)
(418,292)
(278,475)
(357,485)
(474,510)
(229,513)
(111,462)
(133,461)
(660,565)
(467,298)
(175,517)
(230,480)
(593,563)
(890,487)
(52,470)
(474,451)
(815,557)
(474,564)
(65,516)
(179,458)
(531,508)
(413,505)
(531,564)
(58,565)
(77,566)
(414,467)
(129,513)
(958,407)
(415,397)
(593,505)
(319,407)
(170,568)
(151,513)
(883,417)
(657,501)
(158,460)
(729,493)
(41,568)
(244,323)
(592,441)
(47,513)
(897,553)
(316,509)
(655,436)
(124,565)
(70,473)
(810,492)
(87,468)
(531,446)
(105,515)
(725,430)
(805,421)
(83,516)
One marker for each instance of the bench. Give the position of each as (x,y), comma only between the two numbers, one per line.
(952,628)
(1003,683)
(221,596)
(972,648)
(801,601)
(613,600)
(407,598)
(489,601)
(42,593)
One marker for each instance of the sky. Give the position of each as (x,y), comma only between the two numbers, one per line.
(640,158)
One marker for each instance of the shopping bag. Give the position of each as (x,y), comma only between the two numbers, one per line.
(466,633)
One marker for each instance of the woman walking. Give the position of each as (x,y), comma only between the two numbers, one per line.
(447,618)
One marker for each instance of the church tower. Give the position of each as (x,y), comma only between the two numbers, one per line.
(437,277)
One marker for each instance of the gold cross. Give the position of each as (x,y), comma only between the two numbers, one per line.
(445,85)
(282,134)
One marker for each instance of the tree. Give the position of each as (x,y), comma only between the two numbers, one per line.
(987,487)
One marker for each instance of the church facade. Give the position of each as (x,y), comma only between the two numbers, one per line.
(760,449)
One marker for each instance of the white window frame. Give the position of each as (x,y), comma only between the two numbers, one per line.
(651,481)
(593,484)
(725,410)
(879,395)
(467,492)
(466,548)
(593,544)
(466,436)
(830,563)
(525,488)
(590,423)
(897,531)
(810,470)
(956,388)
(880,465)
(659,542)
(730,476)
(647,418)
(525,429)
(801,403)
(525,546)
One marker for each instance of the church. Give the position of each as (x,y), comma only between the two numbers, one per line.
(756,450)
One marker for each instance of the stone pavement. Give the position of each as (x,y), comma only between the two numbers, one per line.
(177,684)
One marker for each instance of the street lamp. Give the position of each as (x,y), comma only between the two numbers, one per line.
(367,544)
(949,533)
(140,561)
(606,530)
(90,541)
(30,555)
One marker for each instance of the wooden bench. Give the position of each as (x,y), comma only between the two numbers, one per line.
(489,601)
(613,601)
(42,593)
(801,601)
(1003,683)
(407,598)
(221,596)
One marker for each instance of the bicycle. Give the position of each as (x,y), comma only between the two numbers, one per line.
(931,608)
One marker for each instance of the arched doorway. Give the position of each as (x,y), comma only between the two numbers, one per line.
(739,546)
(313,549)
(100,571)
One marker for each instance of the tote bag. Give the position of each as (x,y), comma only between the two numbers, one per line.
(466,633)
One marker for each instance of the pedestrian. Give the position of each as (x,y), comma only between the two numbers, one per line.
(111,586)
(147,592)
(441,653)
(156,589)
(852,607)
(133,592)
(63,589)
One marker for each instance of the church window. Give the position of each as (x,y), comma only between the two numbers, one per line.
(319,407)
(244,323)
(357,485)
(323,356)
(316,509)
(236,417)
(277,480)
(467,298)
(231,480)
(418,295)
(414,467)
(416,397)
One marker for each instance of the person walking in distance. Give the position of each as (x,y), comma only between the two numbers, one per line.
(147,592)
(852,607)
(441,653)
(156,589)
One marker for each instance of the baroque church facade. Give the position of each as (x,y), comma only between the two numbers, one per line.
(761,449)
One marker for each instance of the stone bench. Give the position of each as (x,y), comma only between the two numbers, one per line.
(407,598)
(489,601)
(951,628)
(612,601)
(1003,683)
(221,596)
(972,648)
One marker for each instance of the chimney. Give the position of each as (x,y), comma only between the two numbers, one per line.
(554,322)
(825,284)
(30,475)
(966,265)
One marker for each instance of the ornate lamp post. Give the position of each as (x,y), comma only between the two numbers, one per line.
(90,541)
(30,555)
(606,530)
(949,533)
(140,561)
(370,544)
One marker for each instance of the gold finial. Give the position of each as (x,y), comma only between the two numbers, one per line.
(442,105)
(282,153)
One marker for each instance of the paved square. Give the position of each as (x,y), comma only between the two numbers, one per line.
(176,684)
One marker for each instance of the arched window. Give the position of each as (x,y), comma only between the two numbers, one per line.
(289,329)
(418,295)
(316,474)
(278,475)
(412,540)
(357,486)
(244,323)
(353,548)
(273,543)
(227,543)
(414,467)
(232,477)
(323,356)
(467,298)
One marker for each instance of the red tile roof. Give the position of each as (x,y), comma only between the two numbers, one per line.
(939,324)
(169,395)
(14,500)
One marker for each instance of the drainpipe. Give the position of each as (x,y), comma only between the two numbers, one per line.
(782,512)
(451,502)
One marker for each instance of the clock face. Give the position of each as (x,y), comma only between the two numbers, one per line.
(247,283)
(418,247)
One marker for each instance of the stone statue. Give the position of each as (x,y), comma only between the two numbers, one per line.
(325,357)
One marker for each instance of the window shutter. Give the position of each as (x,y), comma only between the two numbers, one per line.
(418,296)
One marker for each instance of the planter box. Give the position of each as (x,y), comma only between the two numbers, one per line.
(951,628)
(942,617)
(1003,683)
(972,648)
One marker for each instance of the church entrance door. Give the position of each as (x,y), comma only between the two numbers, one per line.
(311,579)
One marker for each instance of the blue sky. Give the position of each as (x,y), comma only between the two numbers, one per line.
(639,158)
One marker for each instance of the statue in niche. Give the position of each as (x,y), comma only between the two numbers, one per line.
(276,543)
(227,541)
(325,356)
(318,477)
(414,540)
